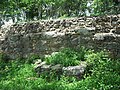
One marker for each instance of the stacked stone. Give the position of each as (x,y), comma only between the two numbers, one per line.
(46,36)
(75,71)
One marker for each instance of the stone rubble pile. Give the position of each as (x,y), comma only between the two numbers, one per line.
(75,71)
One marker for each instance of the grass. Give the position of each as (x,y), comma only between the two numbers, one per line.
(102,74)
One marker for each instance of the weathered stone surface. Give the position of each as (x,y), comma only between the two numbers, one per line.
(39,61)
(75,70)
(39,65)
(104,36)
(58,69)
(45,68)
(47,36)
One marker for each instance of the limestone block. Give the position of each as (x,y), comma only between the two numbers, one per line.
(57,67)
(117,31)
(114,18)
(45,68)
(56,26)
(84,31)
(104,36)
(74,70)
(39,64)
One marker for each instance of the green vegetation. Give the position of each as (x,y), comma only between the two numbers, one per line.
(67,57)
(45,9)
(102,73)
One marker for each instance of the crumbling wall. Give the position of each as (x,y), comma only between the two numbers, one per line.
(46,36)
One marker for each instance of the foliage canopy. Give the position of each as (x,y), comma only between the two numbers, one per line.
(45,9)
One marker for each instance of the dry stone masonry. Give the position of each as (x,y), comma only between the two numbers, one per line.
(46,36)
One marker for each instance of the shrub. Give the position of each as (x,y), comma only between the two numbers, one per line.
(66,57)
(105,75)
(82,52)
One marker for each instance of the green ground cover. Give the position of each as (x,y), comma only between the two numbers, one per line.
(102,72)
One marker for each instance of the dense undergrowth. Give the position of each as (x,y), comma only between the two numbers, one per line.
(66,57)
(102,72)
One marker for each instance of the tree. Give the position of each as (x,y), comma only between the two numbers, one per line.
(44,9)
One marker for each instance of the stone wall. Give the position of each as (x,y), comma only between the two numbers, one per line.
(46,36)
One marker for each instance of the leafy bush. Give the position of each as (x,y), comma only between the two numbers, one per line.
(105,75)
(66,57)
(82,52)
